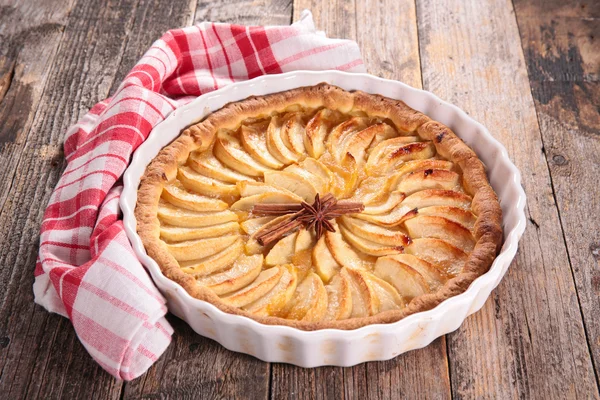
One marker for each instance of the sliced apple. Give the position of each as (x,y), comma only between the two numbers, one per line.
(200,248)
(342,252)
(459,215)
(246,203)
(383,132)
(179,234)
(292,133)
(425,226)
(309,302)
(375,233)
(244,270)
(339,297)
(342,130)
(386,147)
(253,224)
(247,188)
(205,163)
(317,130)
(276,144)
(398,215)
(364,301)
(229,151)
(320,184)
(372,190)
(429,179)
(274,301)
(396,156)
(252,245)
(391,144)
(325,265)
(205,185)
(415,166)
(434,276)
(385,206)
(367,246)
(262,285)
(357,144)
(408,282)
(388,297)
(304,241)
(254,141)
(213,263)
(336,142)
(294,183)
(302,260)
(437,197)
(186,218)
(345,175)
(449,258)
(319,169)
(176,194)
(283,251)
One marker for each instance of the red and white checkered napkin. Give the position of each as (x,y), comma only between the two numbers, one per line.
(87,270)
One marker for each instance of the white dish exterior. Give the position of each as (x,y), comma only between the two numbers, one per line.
(332,346)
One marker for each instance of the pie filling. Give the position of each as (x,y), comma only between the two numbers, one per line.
(314,214)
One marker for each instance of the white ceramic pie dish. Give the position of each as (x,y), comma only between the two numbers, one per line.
(332,346)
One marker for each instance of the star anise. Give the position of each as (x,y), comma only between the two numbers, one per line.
(316,215)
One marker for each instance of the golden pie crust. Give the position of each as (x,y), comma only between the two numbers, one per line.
(486,229)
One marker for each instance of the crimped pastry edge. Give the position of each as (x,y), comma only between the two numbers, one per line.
(199,136)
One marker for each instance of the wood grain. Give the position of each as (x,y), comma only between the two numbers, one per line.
(562,52)
(528,341)
(152,18)
(385,30)
(393,54)
(245,12)
(415,375)
(27,49)
(194,367)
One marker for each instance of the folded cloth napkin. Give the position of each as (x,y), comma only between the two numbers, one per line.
(86,269)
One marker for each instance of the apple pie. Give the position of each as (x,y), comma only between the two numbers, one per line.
(319,208)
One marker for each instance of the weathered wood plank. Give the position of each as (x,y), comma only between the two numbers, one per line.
(562,52)
(394,53)
(152,18)
(528,341)
(385,30)
(194,367)
(27,48)
(26,61)
(420,374)
(41,355)
(336,18)
(387,36)
(245,12)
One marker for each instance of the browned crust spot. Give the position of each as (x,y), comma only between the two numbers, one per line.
(488,227)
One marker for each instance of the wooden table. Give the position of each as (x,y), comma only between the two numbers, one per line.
(528,70)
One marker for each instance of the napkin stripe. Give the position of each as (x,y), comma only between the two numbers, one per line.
(129,275)
(262,44)
(210,67)
(86,267)
(224,51)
